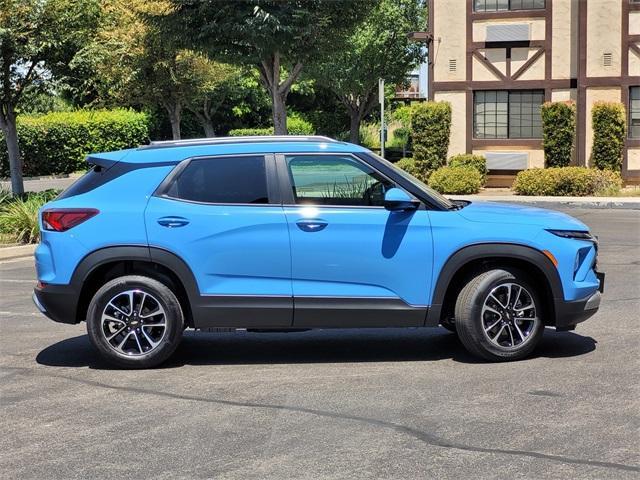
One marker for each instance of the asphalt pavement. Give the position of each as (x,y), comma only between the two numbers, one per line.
(334,404)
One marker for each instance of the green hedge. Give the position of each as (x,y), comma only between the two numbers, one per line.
(469,160)
(456,180)
(609,129)
(430,128)
(408,165)
(295,125)
(567,181)
(558,132)
(58,142)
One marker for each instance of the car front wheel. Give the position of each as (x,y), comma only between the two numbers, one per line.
(135,321)
(498,315)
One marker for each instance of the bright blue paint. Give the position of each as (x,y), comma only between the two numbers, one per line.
(336,251)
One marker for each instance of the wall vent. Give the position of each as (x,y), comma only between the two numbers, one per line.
(507,160)
(453,65)
(512,32)
(607,59)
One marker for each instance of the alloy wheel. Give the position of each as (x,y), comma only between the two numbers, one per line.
(133,323)
(509,316)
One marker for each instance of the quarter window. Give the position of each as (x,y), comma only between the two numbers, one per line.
(222,180)
(507,113)
(634,112)
(335,180)
(506,5)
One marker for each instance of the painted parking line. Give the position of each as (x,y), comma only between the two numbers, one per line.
(11,280)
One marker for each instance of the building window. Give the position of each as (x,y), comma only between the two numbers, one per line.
(506,5)
(634,112)
(507,113)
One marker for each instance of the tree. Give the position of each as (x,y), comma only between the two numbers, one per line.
(38,40)
(277,37)
(379,48)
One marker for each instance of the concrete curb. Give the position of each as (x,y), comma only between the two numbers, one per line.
(17,251)
(624,203)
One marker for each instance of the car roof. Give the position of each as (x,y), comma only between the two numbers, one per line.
(176,151)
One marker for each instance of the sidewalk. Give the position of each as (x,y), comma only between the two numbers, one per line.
(503,195)
(38,184)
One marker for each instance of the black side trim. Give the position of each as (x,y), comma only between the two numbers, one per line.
(241,311)
(350,312)
(492,250)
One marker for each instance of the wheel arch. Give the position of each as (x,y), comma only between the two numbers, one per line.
(464,262)
(101,265)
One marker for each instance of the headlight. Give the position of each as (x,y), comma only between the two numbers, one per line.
(575,234)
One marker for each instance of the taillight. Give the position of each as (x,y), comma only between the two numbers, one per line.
(62,219)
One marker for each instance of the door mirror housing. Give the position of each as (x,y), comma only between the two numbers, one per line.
(396,199)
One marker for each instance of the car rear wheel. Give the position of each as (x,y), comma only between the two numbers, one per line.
(135,322)
(498,315)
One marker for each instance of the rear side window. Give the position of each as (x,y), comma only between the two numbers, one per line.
(222,180)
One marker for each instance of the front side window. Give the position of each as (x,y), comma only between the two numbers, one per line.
(506,5)
(335,180)
(634,112)
(507,113)
(222,180)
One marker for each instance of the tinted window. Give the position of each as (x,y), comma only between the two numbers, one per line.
(222,180)
(634,112)
(335,180)
(507,113)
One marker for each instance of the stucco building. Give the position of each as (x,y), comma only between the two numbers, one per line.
(497,61)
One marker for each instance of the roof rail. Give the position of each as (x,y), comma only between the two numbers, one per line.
(194,142)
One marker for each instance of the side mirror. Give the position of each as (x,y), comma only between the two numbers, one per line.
(396,200)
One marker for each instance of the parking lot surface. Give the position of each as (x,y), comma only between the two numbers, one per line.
(384,403)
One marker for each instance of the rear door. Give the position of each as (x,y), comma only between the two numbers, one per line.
(223,217)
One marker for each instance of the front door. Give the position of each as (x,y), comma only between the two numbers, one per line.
(220,216)
(354,263)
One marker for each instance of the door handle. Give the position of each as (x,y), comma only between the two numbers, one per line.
(311,225)
(173,222)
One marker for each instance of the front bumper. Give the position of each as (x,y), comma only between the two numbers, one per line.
(569,314)
(57,302)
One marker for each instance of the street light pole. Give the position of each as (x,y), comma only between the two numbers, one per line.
(381,100)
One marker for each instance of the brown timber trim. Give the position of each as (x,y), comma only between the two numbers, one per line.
(633,38)
(633,7)
(505,85)
(636,49)
(581,123)
(530,62)
(489,65)
(430,50)
(510,14)
(473,46)
(469,77)
(483,143)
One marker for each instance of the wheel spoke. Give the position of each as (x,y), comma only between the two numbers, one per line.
(492,310)
(511,335)
(496,300)
(144,296)
(492,325)
(152,342)
(116,334)
(111,304)
(110,318)
(527,307)
(121,344)
(135,335)
(515,301)
(130,295)
(157,311)
(515,324)
(498,334)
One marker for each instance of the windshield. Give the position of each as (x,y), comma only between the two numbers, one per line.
(445,202)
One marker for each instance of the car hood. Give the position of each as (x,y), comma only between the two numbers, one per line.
(490,212)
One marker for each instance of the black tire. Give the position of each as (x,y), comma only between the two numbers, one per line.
(147,292)
(471,322)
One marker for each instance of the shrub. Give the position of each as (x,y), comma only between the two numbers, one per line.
(456,180)
(408,165)
(469,160)
(566,181)
(57,143)
(19,216)
(558,132)
(370,135)
(296,125)
(250,132)
(609,130)
(430,128)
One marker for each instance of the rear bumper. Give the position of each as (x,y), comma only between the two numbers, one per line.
(57,302)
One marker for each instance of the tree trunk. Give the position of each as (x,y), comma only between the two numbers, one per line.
(270,74)
(8,124)
(279,114)
(207,126)
(354,130)
(175,117)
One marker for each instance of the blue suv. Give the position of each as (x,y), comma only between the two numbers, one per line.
(294,233)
